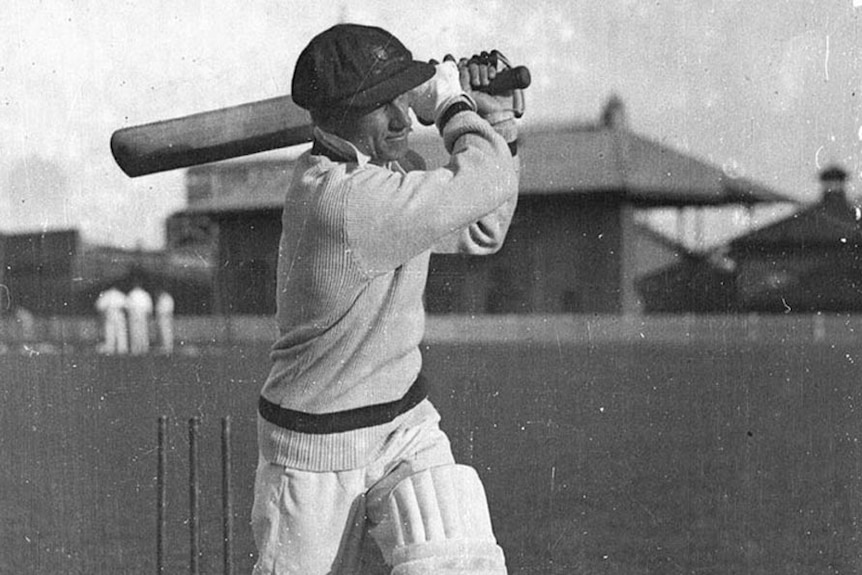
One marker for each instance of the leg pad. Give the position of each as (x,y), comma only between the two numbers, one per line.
(437,521)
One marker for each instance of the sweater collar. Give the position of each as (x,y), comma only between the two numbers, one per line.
(337,148)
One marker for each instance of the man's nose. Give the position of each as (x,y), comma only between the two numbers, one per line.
(399,116)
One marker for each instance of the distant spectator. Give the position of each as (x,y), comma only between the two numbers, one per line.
(111,304)
(26,324)
(165,321)
(139,305)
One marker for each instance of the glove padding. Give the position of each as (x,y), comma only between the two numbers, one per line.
(430,99)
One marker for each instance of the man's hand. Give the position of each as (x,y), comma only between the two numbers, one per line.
(476,73)
(431,99)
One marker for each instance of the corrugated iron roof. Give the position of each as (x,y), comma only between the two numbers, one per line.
(591,158)
(573,158)
(810,226)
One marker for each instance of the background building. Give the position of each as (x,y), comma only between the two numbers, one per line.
(39,272)
(55,273)
(810,261)
(233,221)
(575,244)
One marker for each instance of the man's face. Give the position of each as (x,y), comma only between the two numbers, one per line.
(382,132)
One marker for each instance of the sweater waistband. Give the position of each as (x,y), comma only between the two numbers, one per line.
(342,421)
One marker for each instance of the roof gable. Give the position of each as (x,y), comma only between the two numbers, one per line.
(811,226)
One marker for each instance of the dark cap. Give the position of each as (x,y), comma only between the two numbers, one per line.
(354,66)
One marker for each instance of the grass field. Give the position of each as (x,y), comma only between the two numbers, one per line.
(611,458)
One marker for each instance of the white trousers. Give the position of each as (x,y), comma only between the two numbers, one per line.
(166,332)
(116,336)
(139,334)
(335,523)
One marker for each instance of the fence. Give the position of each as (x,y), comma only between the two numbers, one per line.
(223,330)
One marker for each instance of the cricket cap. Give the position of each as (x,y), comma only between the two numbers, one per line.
(355,66)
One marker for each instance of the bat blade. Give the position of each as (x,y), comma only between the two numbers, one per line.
(210,136)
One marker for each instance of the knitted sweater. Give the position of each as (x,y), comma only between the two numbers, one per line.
(353,260)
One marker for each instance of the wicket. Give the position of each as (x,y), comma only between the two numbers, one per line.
(194,496)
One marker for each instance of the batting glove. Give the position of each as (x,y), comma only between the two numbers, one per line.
(431,99)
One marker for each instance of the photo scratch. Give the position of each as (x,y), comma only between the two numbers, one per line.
(817,158)
(5,297)
(826,60)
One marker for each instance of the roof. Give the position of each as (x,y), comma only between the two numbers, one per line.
(813,225)
(593,158)
(573,158)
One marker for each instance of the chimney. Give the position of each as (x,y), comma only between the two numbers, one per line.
(614,114)
(834,197)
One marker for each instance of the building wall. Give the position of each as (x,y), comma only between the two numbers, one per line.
(562,255)
(39,270)
(246,262)
(695,285)
(800,279)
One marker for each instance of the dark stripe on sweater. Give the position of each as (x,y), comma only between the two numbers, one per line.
(347,420)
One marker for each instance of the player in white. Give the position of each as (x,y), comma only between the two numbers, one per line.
(111,305)
(140,308)
(165,321)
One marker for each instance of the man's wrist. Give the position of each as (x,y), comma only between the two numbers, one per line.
(458,106)
(508,129)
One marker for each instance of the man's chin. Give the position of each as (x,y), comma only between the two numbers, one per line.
(395,149)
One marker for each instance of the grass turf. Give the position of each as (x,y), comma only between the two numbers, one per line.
(610,458)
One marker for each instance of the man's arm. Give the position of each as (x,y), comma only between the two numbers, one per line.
(484,236)
(391,217)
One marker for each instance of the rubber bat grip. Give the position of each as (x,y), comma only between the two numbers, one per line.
(516,78)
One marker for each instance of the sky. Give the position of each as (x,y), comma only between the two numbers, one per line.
(767,90)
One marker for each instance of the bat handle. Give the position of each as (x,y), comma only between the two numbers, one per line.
(516,78)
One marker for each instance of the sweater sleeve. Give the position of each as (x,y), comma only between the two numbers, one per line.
(483,237)
(486,235)
(393,217)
